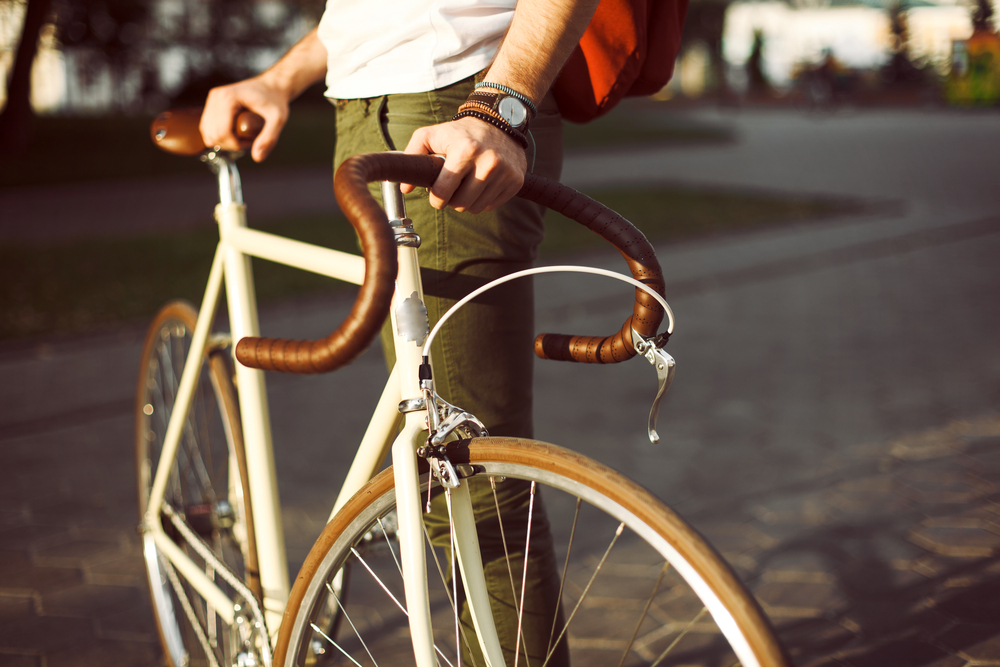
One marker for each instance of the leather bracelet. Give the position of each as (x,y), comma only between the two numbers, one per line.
(481,106)
(501,125)
(511,92)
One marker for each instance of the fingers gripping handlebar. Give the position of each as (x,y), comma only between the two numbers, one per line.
(372,305)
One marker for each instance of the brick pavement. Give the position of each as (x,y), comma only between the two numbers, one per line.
(889,558)
(895,564)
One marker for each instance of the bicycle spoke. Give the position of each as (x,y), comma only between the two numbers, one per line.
(442,656)
(378,580)
(192,617)
(388,543)
(586,590)
(506,554)
(444,584)
(353,627)
(645,610)
(392,597)
(166,365)
(210,619)
(171,382)
(336,645)
(201,476)
(454,579)
(203,472)
(562,579)
(681,636)
(626,583)
(524,580)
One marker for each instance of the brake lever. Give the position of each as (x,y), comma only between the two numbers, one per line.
(651,349)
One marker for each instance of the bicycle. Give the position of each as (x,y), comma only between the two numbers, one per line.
(212,535)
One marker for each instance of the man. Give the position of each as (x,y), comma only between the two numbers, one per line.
(398,71)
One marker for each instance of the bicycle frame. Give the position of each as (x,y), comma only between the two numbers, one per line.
(231,268)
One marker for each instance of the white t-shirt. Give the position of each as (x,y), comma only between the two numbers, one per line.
(408,46)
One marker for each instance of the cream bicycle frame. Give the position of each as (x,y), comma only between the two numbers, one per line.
(231,267)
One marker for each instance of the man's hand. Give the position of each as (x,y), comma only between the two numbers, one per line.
(483,167)
(223,105)
(267,95)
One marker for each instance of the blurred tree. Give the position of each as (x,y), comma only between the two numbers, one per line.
(982,16)
(757,82)
(899,28)
(17,116)
(111,34)
(900,70)
(705,23)
(228,40)
(129,40)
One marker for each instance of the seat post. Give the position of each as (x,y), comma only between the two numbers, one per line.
(223,166)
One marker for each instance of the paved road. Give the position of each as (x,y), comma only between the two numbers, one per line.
(833,427)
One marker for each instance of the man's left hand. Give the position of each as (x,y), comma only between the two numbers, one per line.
(483,167)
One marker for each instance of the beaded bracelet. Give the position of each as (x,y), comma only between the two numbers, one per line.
(510,91)
(501,125)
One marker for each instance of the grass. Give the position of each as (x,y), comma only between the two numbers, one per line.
(642,122)
(670,214)
(75,149)
(73,287)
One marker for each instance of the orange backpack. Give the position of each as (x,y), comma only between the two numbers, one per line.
(628,49)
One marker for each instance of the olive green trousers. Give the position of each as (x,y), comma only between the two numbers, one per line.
(483,357)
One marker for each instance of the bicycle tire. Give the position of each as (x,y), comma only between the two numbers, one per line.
(608,623)
(207,487)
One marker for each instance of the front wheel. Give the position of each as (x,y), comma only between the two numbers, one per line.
(636,585)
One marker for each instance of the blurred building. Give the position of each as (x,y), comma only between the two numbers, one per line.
(858,36)
(798,34)
(719,39)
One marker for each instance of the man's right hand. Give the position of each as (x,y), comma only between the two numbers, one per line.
(226,102)
(267,95)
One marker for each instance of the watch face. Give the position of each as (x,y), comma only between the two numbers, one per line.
(513,111)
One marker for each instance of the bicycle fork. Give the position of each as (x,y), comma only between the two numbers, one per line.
(411,327)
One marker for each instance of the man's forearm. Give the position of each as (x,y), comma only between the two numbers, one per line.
(541,38)
(483,166)
(302,66)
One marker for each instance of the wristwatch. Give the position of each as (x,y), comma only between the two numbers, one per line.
(513,111)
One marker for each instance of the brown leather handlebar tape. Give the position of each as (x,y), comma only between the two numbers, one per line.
(357,332)
(176,131)
(638,253)
(370,309)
